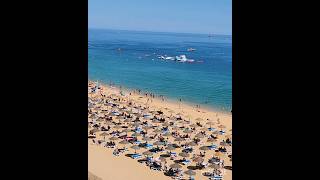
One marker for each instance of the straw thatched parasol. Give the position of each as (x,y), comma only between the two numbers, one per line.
(167,134)
(147,153)
(211,140)
(157,131)
(170,148)
(192,143)
(104,134)
(214,166)
(199,119)
(224,144)
(178,139)
(94,130)
(185,122)
(135,147)
(183,154)
(198,160)
(108,123)
(179,114)
(146,139)
(162,159)
(146,128)
(176,166)
(218,154)
(175,128)
(136,134)
(199,135)
(188,131)
(204,148)
(113,138)
(190,172)
(166,124)
(124,142)
(117,127)
(221,126)
(157,143)
(194,125)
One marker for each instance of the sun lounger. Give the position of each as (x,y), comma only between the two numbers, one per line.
(212,147)
(216,177)
(136,156)
(185,162)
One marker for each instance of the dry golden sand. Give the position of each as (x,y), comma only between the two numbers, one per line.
(108,167)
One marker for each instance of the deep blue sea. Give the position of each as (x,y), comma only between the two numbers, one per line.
(208,82)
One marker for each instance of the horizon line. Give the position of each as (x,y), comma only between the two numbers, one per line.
(93,28)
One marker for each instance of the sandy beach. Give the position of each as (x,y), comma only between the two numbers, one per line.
(181,124)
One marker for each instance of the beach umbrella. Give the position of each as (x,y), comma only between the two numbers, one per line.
(199,135)
(170,148)
(166,124)
(210,123)
(218,154)
(126,131)
(198,160)
(104,134)
(194,125)
(135,147)
(147,153)
(175,166)
(188,131)
(180,114)
(113,138)
(214,166)
(215,132)
(183,154)
(157,143)
(124,142)
(136,134)
(99,119)
(179,139)
(94,130)
(146,139)
(146,128)
(199,119)
(222,126)
(229,136)
(127,120)
(108,123)
(155,121)
(188,116)
(167,134)
(192,143)
(157,131)
(190,173)
(185,122)
(211,140)
(223,144)
(162,159)
(171,112)
(204,148)
(117,127)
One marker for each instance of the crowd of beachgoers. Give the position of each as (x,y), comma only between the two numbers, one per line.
(164,139)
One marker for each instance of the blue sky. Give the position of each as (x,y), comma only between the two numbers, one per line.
(193,16)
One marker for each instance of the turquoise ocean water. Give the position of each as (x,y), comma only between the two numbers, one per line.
(207,82)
